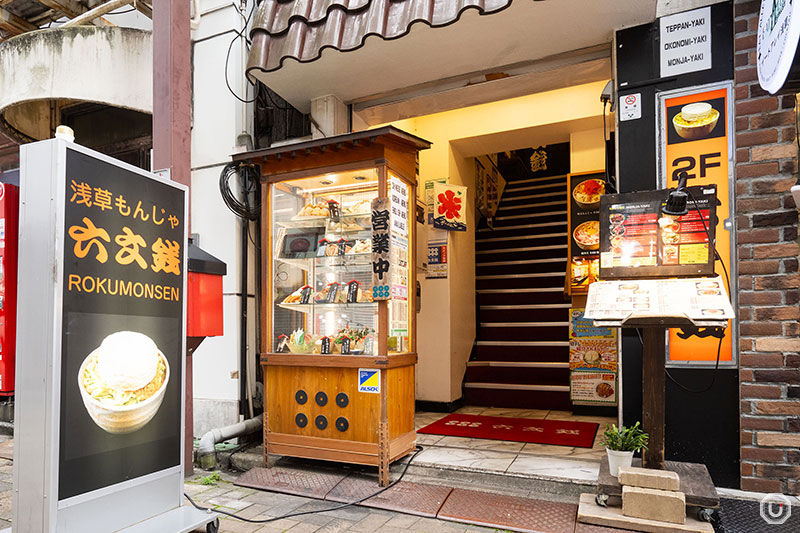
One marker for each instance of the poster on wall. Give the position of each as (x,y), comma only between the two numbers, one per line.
(449,202)
(592,361)
(437,258)
(429,197)
(695,135)
(480,188)
(122,330)
(585,190)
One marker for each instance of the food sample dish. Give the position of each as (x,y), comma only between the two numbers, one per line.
(587,193)
(123,381)
(616,219)
(360,247)
(318,210)
(587,235)
(363,207)
(604,390)
(695,121)
(300,342)
(670,238)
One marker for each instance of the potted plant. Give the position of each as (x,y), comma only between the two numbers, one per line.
(621,443)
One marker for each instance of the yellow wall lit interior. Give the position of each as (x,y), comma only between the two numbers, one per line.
(446,322)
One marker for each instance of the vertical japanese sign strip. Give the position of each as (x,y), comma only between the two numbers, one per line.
(695,135)
(381,266)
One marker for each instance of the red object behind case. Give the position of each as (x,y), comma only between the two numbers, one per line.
(204,304)
(9,225)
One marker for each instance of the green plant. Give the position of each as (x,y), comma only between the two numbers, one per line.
(622,439)
(210,479)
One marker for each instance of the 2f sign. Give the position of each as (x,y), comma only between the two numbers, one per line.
(695,166)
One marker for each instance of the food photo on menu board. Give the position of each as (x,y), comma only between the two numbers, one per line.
(637,240)
(586,189)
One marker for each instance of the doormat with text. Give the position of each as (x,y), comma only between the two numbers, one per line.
(557,432)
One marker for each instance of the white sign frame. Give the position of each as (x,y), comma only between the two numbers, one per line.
(149,503)
(681,37)
(729,223)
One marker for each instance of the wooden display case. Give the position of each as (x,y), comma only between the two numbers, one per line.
(338,360)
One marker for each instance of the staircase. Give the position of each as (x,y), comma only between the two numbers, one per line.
(521,355)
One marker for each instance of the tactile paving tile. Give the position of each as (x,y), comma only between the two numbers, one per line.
(405,497)
(312,484)
(509,512)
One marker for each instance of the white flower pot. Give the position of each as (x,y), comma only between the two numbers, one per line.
(618,459)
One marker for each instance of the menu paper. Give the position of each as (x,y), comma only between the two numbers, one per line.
(638,241)
(704,301)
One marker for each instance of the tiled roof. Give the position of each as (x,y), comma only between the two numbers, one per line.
(301,29)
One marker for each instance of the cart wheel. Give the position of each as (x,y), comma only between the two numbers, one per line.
(705,515)
(213,527)
(601,500)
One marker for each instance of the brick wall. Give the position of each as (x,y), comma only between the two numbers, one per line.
(769,314)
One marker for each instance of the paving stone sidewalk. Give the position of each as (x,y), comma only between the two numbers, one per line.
(255,504)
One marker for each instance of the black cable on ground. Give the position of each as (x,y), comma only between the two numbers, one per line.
(302,513)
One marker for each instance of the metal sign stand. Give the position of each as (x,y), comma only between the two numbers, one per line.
(97,478)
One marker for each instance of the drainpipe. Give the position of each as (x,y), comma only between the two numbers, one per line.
(205,451)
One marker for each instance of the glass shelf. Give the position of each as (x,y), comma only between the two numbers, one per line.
(309,307)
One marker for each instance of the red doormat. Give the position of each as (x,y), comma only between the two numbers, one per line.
(558,432)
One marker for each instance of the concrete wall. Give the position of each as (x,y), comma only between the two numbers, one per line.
(218,117)
(446,323)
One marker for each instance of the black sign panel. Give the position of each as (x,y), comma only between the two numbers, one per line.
(585,191)
(638,241)
(122,333)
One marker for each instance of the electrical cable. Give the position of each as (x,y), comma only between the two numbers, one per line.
(418,449)
(249,183)
(607,176)
(131,10)
(239,35)
(715,254)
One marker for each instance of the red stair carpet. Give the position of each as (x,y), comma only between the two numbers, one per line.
(558,432)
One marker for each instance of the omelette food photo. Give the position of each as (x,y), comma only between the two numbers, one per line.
(123,381)
(695,121)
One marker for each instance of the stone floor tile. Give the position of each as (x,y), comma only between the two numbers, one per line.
(372,522)
(403,521)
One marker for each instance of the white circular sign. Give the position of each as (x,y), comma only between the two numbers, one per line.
(778,35)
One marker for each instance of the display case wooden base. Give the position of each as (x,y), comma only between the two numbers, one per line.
(322,407)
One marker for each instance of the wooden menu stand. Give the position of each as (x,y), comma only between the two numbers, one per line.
(696,482)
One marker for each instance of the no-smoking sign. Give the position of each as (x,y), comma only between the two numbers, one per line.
(630,106)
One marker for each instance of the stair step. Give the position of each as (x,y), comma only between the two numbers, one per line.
(531,204)
(523,262)
(521,399)
(560,184)
(512,334)
(524,226)
(542,354)
(519,364)
(522,343)
(521,290)
(518,276)
(556,213)
(524,249)
(523,298)
(516,386)
(528,306)
(516,183)
(562,192)
(523,237)
(523,324)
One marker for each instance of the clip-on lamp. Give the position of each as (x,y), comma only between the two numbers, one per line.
(676,201)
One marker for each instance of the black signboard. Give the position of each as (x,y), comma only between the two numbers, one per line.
(122,333)
(638,241)
(584,191)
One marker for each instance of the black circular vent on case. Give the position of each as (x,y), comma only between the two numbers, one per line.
(301,420)
(342,400)
(321,398)
(321,422)
(301,397)
(342,424)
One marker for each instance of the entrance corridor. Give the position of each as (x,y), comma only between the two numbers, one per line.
(512,458)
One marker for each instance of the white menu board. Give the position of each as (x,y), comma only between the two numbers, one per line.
(704,301)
